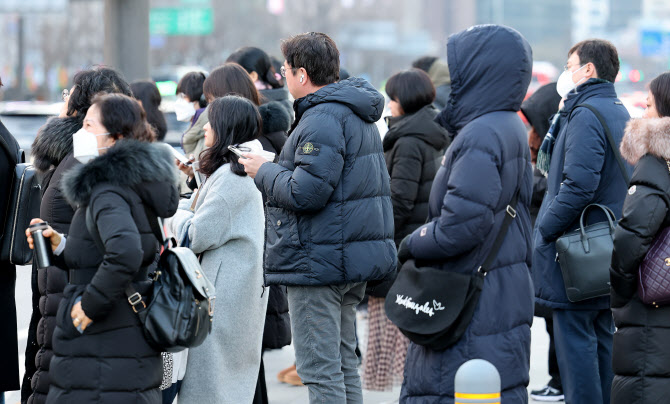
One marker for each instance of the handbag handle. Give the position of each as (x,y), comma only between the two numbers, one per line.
(610,218)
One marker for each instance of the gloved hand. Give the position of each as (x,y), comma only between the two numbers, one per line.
(403,250)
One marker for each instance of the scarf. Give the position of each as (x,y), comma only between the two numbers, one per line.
(544,154)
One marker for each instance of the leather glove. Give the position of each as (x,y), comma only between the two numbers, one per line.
(403,250)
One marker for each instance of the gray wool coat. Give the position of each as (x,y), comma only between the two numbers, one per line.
(228,228)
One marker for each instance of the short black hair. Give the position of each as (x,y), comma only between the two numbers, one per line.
(147,92)
(316,53)
(602,54)
(191,85)
(256,60)
(234,120)
(412,88)
(88,83)
(660,89)
(424,63)
(123,116)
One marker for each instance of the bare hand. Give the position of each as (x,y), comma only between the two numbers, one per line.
(186,169)
(252,163)
(53,236)
(79,317)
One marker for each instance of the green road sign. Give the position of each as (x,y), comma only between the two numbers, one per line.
(181,21)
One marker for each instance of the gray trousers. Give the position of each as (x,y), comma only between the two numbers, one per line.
(324,337)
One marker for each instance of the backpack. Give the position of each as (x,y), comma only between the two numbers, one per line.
(181,308)
(24,199)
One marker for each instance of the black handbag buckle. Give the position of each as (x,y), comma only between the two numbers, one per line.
(134,300)
(511,211)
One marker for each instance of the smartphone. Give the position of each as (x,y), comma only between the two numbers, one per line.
(184,160)
(236,151)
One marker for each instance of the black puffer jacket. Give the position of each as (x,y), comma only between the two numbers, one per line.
(111,362)
(641,352)
(277,332)
(52,156)
(413,149)
(329,212)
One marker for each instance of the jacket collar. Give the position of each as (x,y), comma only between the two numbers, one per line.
(592,88)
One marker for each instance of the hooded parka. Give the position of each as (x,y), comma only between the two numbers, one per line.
(329,214)
(640,355)
(484,166)
(111,361)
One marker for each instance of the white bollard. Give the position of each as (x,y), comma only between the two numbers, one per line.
(477,382)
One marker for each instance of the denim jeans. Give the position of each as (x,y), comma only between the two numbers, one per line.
(324,337)
(583,341)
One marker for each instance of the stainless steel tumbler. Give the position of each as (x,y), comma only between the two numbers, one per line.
(42,247)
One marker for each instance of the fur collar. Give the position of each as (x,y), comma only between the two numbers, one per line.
(646,136)
(128,163)
(53,142)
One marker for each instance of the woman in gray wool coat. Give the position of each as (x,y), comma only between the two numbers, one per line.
(224,222)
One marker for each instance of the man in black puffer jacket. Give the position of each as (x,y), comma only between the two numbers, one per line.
(329,215)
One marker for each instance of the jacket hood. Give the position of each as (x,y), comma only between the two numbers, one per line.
(540,106)
(421,125)
(53,142)
(146,168)
(439,73)
(275,117)
(356,93)
(491,67)
(646,136)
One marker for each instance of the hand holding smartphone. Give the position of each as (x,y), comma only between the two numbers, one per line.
(183,159)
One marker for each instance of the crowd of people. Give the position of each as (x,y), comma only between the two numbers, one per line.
(300,211)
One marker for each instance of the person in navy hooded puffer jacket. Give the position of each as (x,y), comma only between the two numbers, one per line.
(487,162)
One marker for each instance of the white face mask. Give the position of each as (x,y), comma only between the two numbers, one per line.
(565,84)
(184,110)
(85,145)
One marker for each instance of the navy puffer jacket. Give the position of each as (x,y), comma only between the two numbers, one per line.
(329,211)
(487,162)
(583,171)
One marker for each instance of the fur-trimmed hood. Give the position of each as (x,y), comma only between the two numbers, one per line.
(53,142)
(646,136)
(148,169)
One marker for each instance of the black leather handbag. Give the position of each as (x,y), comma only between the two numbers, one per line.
(23,205)
(585,254)
(181,307)
(419,304)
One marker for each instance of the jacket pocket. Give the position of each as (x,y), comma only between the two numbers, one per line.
(63,319)
(283,247)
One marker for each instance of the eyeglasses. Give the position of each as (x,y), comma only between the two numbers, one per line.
(566,67)
(282,71)
(65,94)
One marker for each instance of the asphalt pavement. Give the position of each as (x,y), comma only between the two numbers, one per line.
(280,393)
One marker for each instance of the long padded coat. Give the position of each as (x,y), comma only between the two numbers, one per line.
(111,362)
(641,350)
(329,214)
(52,155)
(583,171)
(487,162)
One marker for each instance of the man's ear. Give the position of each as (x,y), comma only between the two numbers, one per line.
(254,76)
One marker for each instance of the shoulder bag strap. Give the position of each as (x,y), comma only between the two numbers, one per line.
(497,244)
(610,139)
